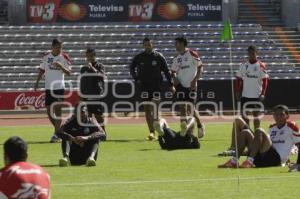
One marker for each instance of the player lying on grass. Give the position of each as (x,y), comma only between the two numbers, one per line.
(266,150)
(170,140)
(80,139)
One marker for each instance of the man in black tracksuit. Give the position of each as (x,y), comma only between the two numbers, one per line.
(171,140)
(80,139)
(92,86)
(146,69)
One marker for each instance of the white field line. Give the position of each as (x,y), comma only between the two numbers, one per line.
(177,181)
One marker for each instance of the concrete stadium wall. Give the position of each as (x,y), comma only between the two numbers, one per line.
(290,12)
(17,12)
(230,10)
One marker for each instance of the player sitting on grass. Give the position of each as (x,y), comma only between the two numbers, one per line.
(266,150)
(80,139)
(169,139)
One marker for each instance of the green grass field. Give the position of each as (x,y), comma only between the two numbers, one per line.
(130,167)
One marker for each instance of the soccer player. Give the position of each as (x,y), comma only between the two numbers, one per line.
(92,85)
(146,69)
(19,178)
(266,150)
(186,70)
(170,140)
(80,139)
(54,66)
(251,84)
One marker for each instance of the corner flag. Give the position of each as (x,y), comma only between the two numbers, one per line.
(227,32)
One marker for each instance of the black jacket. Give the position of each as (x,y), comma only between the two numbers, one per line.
(148,68)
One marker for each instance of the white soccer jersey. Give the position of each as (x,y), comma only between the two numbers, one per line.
(284,139)
(252,76)
(54,77)
(186,66)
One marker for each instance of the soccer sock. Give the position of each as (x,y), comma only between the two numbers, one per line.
(250,159)
(94,150)
(66,146)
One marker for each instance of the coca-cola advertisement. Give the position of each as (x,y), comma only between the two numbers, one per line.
(30,100)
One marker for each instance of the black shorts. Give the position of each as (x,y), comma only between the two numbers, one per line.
(79,155)
(94,108)
(268,159)
(249,105)
(148,93)
(59,96)
(184,94)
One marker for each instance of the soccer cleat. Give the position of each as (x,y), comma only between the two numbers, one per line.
(294,168)
(55,139)
(201,131)
(228,152)
(64,162)
(247,164)
(90,162)
(183,127)
(151,137)
(229,164)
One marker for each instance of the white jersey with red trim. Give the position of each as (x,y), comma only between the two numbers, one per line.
(284,139)
(24,180)
(186,65)
(54,77)
(252,76)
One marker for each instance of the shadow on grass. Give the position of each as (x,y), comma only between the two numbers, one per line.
(49,165)
(40,142)
(120,141)
(149,150)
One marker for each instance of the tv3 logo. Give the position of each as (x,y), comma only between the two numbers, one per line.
(144,11)
(46,12)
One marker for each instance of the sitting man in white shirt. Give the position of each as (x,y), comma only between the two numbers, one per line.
(266,150)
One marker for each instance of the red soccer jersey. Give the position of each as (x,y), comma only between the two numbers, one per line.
(24,180)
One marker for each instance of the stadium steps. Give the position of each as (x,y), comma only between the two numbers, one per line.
(264,12)
(24,46)
(288,39)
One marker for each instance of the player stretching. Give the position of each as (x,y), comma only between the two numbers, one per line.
(186,70)
(170,140)
(266,150)
(146,69)
(92,84)
(54,65)
(21,179)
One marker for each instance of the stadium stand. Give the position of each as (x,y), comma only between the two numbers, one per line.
(22,47)
(3,12)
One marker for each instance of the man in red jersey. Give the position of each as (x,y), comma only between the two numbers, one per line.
(20,179)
